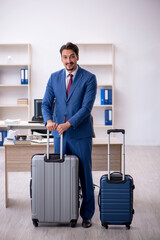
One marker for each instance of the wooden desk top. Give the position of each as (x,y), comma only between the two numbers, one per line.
(96,142)
(9,143)
(104,141)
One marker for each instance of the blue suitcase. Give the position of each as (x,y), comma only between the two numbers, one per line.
(116,193)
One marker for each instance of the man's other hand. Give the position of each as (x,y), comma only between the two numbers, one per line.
(63,127)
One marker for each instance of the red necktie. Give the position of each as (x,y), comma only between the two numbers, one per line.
(69,84)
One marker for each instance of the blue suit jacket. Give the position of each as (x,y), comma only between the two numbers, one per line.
(77,107)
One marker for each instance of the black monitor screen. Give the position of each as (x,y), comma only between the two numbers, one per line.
(37,108)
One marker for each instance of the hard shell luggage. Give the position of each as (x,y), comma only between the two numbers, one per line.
(54,187)
(116,193)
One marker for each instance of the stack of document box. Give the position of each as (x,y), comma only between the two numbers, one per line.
(23,101)
(106,96)
(22,142)
(24,75)
(106,99)
(108,117)
(12,121)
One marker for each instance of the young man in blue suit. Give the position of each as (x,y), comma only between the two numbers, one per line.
(74,98)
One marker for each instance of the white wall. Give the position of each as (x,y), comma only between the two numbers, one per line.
(132,25)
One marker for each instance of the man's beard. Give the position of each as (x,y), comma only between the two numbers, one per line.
(71,67)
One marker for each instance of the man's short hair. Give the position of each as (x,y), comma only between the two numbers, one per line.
(71,46)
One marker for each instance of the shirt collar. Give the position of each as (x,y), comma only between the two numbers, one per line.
(73,73)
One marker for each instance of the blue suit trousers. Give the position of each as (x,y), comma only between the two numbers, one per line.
(82,148)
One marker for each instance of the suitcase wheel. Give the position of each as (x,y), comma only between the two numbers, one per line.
(73,223)
(105,225)
(35,222)
(128,226)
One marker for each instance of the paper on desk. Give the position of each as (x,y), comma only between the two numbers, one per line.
(12,121)
(44,140)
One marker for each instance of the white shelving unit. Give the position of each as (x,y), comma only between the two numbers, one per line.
(14,57)
(98,58)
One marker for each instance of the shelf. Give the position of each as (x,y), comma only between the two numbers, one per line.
(15,44)
(102,106)
(13,58)
(102,126)
(5,85)
(98,58)
(14,106)
(106,44)
(104,85)
(104,73)
(14,65)
(96,64)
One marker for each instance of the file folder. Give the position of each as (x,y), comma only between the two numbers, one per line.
(26,76)
(22,75)
(3,134)
(106,96)
(108,117)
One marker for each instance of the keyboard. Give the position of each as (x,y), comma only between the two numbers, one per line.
(35,121)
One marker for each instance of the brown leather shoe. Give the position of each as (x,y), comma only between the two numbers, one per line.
(86,223)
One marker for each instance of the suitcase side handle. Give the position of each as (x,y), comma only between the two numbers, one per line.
(99,202)
(31,188)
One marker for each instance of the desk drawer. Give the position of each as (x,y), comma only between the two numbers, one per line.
(99,157)
(19,158)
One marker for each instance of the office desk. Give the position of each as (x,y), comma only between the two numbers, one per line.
(18,157)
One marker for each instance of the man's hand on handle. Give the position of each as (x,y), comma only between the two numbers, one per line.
(63,127)
(51,126)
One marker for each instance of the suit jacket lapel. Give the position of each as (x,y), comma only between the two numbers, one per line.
(75,82)
(63,84)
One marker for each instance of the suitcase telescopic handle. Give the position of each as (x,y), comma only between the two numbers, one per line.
(123,151)
(61,145)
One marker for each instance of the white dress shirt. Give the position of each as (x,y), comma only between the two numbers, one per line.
(68,77)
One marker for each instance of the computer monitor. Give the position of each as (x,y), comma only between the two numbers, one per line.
(38,110)
(38,115)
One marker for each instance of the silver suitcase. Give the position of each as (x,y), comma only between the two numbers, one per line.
(54,187)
